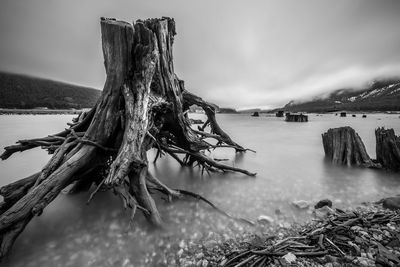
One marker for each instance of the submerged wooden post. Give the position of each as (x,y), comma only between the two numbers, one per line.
(344,146)
(296,117)
(388,148)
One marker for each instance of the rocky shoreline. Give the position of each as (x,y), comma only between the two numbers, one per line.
(368,235)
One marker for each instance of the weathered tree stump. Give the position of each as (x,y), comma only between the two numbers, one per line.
(388,148)
(296,117)
(344,146)
(143,105)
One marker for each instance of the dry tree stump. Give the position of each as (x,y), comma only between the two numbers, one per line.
(344,146)
(388,148)
(143,105)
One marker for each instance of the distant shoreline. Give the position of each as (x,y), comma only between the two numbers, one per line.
(5,111)
(329,112)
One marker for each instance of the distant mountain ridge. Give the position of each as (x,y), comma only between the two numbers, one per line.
(26,92)
(380,95)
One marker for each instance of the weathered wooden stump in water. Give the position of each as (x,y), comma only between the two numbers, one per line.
(142,106)
(279,113)
(388,148)
(296,117)
(344,146)
(196,121)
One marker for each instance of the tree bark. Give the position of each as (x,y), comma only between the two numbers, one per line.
(344,146)
(142,106)
(388,148)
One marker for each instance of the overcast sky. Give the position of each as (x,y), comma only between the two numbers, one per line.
(234,53)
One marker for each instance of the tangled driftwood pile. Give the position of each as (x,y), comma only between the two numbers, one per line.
(365,237)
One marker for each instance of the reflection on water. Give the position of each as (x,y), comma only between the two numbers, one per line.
(289,163)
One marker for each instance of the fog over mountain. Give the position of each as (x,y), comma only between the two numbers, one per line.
(382,95)
(235,53)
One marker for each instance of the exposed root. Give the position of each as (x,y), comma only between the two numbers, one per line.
(209,109)
(154,183)
(50,142)
(15,218)
(199,197)
(137,180)
(128,200)
(16,190)
(203,160)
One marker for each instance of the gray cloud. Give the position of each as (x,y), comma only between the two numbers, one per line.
(234,53)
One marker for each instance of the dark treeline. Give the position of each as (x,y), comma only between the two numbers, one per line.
(24,92)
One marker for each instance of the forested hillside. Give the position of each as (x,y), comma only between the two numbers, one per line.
(25,92)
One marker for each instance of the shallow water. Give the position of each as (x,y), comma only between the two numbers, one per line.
(289,163)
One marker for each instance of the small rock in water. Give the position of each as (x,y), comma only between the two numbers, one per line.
(361,261)
(301,204)
(391,203)
(264,219)
(210,243)
(180,252)
(73,257)
(186,263)
(323,203)
(289,257)
(127,263)
(114,226)
(323,212)
(199,256)
(223,261)
(285,225)
(51,245)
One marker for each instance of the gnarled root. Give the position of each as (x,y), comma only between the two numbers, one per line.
(216,131)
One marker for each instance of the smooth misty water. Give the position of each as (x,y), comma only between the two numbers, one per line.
(289,163)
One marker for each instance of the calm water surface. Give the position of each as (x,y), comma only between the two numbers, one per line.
(289,163)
